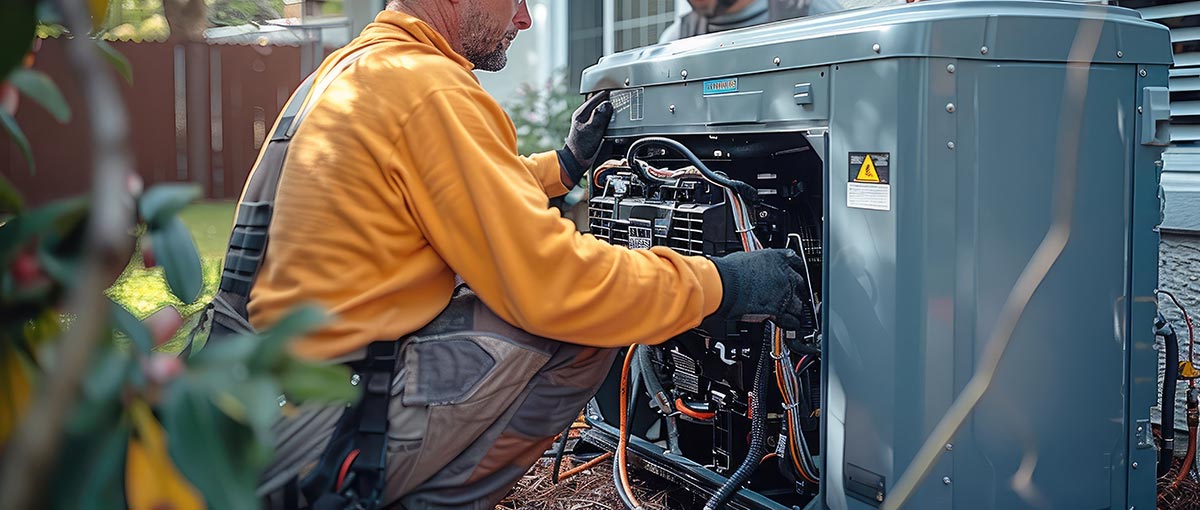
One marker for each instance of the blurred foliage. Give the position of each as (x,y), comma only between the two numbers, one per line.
(542,114)
(151,430)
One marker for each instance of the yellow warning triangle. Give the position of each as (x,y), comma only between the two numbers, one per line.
(867,173)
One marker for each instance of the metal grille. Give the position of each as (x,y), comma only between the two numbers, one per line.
(683,232)
(685,375)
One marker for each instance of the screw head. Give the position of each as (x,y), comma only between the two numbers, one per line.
(683,73)
(983,50)
(777,61)
(950,145)
(1139,428)
(626,82)
(875,47)
(672,108)
(1142,73)
(282,401)
(717,153)
(950,68)
(1120,54)
(763,214)
(354,379)
(1139,111)
(949,446)
(946,480)
(1135,465)
(950,107)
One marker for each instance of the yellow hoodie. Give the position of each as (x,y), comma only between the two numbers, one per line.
(404,174)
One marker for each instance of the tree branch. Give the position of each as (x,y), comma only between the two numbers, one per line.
(34,447)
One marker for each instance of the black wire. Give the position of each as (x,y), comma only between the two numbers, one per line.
(617,481)
(747,192)
(758,432)
(558,455)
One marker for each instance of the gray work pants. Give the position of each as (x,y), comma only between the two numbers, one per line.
(474,404)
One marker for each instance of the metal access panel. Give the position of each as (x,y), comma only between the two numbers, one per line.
(952,135)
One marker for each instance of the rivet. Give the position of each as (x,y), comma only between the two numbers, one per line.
(950,446)
(875,47)
(946,480)
(950,145)
(354,380)
(983,50)
(683,73)
(626,82)
(950,68)
(1135,465)
(1142,73)
(950,107)
(777,61)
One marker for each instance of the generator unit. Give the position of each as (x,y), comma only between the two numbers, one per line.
(959,176)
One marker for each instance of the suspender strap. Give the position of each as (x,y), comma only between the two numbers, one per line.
(248,241)
(360,438)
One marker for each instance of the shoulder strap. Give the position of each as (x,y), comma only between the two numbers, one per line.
(248,241)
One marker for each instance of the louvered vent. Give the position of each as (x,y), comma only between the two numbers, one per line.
(1183,18)
(1181,161)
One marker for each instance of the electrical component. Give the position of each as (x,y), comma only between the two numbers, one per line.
(661,194)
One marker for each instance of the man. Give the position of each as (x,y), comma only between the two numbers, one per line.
(709,16)
(404,178)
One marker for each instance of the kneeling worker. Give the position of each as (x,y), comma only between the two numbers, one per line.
(405,174)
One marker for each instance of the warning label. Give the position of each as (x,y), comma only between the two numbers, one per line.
(869,184)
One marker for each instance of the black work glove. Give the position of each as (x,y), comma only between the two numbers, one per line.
(588,125)
(759,284)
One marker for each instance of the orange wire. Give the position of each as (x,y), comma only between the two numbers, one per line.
(583,467)
(767,456)
(699,415)
(621,443)
(777,348)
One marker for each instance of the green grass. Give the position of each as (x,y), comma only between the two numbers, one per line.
(144,291)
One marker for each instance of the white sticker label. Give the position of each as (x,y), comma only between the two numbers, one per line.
(876,197)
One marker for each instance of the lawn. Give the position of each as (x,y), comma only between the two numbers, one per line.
(144,291)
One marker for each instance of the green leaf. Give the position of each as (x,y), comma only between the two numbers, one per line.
(60,216)
(133,328)
(107,377)
(60,251)
(221,457)
(10,198)
(42,90)
(118,60)
(16,33)
(308,382)
(225,353)
(94,460)
(260,400)
(158,205)
(18,137)
(176,253)
(272,347)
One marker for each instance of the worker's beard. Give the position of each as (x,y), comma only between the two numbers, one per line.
(481,48)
